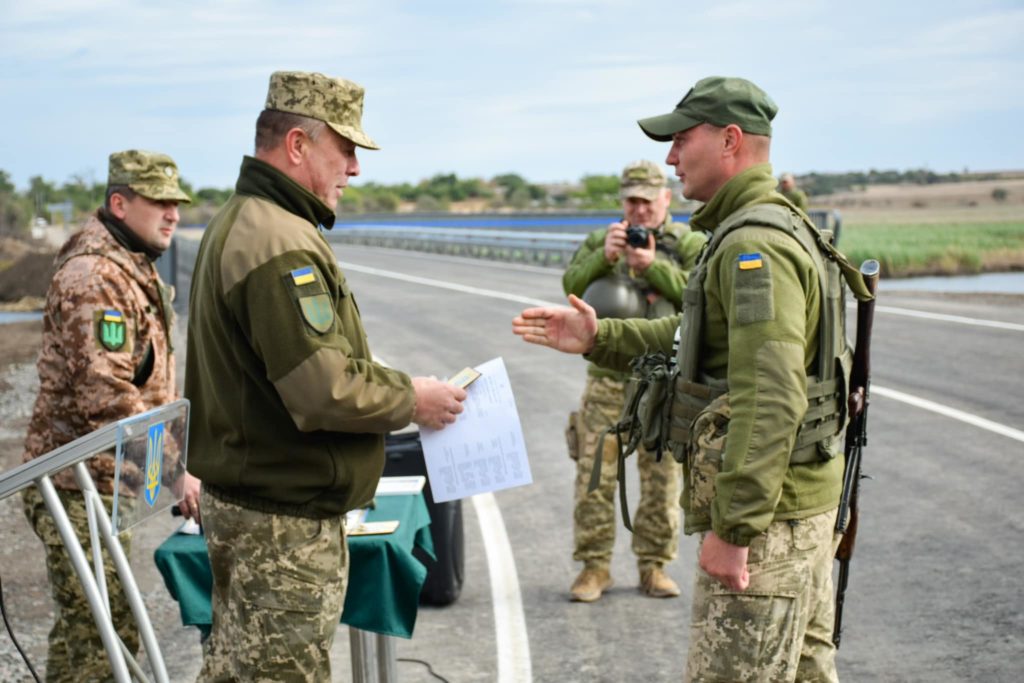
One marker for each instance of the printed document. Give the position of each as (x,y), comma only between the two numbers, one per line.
(484,449)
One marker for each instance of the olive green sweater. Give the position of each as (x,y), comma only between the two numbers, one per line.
(288,408)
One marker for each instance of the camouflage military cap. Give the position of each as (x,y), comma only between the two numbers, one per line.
(150,174)
(335,101)
(643,179)
(720,102)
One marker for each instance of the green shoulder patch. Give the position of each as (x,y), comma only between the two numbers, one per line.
(111,330)
(318,311)
(752,289)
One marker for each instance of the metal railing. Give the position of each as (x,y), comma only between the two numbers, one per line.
(553,246)
(37,472)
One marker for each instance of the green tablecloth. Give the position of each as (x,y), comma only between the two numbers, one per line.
(384,577)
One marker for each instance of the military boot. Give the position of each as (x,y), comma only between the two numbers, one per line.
(590,584)
(655,583)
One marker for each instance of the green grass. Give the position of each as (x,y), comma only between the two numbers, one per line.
(906,249)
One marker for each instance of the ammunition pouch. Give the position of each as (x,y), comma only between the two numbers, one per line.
(642,422)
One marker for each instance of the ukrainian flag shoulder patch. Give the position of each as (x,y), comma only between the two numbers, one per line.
(111,316)
(750,261)
(303,276)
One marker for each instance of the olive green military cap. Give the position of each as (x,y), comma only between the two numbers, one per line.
(335,101)
(150,174)
(643,179)
(720,102)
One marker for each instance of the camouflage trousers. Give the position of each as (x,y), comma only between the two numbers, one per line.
(780,628)
(278,590)
(76,652)
(656,520)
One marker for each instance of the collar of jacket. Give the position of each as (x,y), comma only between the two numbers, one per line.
(260,179)
(754,185)
(663,228)
(96,239)
(124,235)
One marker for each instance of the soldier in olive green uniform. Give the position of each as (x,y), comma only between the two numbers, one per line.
(646,279)
(289,410)
(106,355)
(756,407)
(789,190)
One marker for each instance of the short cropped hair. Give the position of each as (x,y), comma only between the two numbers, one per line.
(272,126)
(123,190)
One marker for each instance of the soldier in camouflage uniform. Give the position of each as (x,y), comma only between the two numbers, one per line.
(756,418)
(789,190)
(657,271)
(289,410)
(106,355)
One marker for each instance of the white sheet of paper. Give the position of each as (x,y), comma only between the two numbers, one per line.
(484,449)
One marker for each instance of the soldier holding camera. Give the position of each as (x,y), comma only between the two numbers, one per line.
(637,267)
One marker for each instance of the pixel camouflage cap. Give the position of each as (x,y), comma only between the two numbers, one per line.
(150,174)
(335,101)
(643,179)
(719,101)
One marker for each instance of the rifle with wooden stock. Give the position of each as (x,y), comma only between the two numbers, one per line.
(856,438)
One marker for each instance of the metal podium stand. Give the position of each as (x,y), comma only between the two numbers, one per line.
(37,472)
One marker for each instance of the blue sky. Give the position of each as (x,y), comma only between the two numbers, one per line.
(550,89)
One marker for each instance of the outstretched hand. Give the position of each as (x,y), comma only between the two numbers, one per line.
(572,330)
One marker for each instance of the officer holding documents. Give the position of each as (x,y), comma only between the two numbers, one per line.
(635,267)
(106,355)
(289,410)
(757,404)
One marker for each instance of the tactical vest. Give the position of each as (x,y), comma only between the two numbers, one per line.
(818,437)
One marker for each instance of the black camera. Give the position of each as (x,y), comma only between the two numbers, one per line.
(637,236)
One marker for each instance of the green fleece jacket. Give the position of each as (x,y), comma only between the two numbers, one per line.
(665,277)
(761,334)
(288,408)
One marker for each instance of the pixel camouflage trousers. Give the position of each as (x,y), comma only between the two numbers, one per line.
(656,519)
(278,590)
(76,652)
(780,628)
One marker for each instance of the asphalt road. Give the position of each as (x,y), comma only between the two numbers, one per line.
(935,593)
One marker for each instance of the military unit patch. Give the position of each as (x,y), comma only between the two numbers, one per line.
(111,330)
(318,311)
(303,276)
(750,261)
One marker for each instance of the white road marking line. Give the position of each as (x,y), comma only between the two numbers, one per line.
(960,415)
(970,419)
(555,270)
(430,282)
(514,665)
(962,320)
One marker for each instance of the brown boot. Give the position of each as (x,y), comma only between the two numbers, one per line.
(655,583)
(590,584)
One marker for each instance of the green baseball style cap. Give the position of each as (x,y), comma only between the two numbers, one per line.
(335,101)
(643,179)
(150,174)
(719,101)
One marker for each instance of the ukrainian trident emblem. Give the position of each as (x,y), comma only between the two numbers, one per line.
(154,461)
(111,330)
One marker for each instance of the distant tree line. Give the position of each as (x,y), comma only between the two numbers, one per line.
(508,191)
(829,183)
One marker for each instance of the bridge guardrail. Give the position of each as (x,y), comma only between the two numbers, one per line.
(546,248)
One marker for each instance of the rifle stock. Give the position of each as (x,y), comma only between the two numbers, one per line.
(856,438)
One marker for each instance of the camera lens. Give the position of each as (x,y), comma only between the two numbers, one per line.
(636,236)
